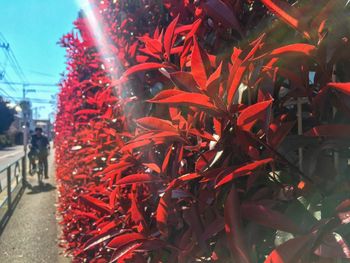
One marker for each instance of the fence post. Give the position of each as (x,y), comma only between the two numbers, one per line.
(24,172)
(300,130)
(16,172)
(9,201)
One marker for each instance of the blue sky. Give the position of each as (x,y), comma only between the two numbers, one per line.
(32,28)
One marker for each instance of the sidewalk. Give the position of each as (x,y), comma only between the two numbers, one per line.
(31,234)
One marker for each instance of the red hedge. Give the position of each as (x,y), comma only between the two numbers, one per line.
(183,143)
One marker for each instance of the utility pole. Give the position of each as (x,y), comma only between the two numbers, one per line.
(25,119)
(5,45)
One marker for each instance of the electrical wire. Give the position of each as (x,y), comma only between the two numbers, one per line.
(13,60)
(4,94)
(8,83)
(43,101)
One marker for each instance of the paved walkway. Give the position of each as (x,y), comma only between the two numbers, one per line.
(31,235)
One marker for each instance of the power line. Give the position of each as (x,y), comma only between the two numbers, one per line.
(11,84)
(40,73)
(19,69)
(8,96)
(3,67)
(8,83)
(48,91)
(43,101)
(30,84)
(12,58)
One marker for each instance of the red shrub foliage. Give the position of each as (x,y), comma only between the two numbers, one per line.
(207,131)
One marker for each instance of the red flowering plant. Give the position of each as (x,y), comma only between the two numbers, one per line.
(224,137)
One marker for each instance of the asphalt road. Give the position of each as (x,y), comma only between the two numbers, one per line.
(32,232)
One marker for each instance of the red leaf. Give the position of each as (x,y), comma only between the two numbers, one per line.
(200,65)
(163,208)
(344,206)
(162,214)
(278,133)
(202,134)
(217,126)
(134,211)
(256,45)
(239,67)
(250,115)
(118,167)
(188,41)
(153,123)
(141,59)
(166,159)
(242,171)
(95,203)
(299,48)
(139,179)
(333,246)
(157,136)
(86,112)
(189,177)
(169,37)
(194,29)
(176,50)
(156,33)
(220,12)
(264,216)
(113,197)
(153,45)
(125,239)
(237,79)
(149,53)
(343,211)
(183,29)
(205,159)
(98,239)
(184,81)
(343,87)
(213,83)
(125,250)
(289,251)
(135,144)
(177,97)
(288,14)
(143,67)
(153,167)
(132,49)
(234,228)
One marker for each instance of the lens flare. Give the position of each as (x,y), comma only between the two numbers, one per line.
(101,39)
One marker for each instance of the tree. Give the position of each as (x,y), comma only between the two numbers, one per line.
(6,116)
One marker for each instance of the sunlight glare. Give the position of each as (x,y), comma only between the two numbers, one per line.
(101,40)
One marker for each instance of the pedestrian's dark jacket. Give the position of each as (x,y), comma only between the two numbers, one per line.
(40,143)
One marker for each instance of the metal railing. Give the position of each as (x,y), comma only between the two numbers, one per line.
(12,185)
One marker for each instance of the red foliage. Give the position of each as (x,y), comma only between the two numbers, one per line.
(191,153)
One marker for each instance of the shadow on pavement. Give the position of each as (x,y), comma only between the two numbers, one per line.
(45,187)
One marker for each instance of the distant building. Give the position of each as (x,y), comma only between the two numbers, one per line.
(16,129)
